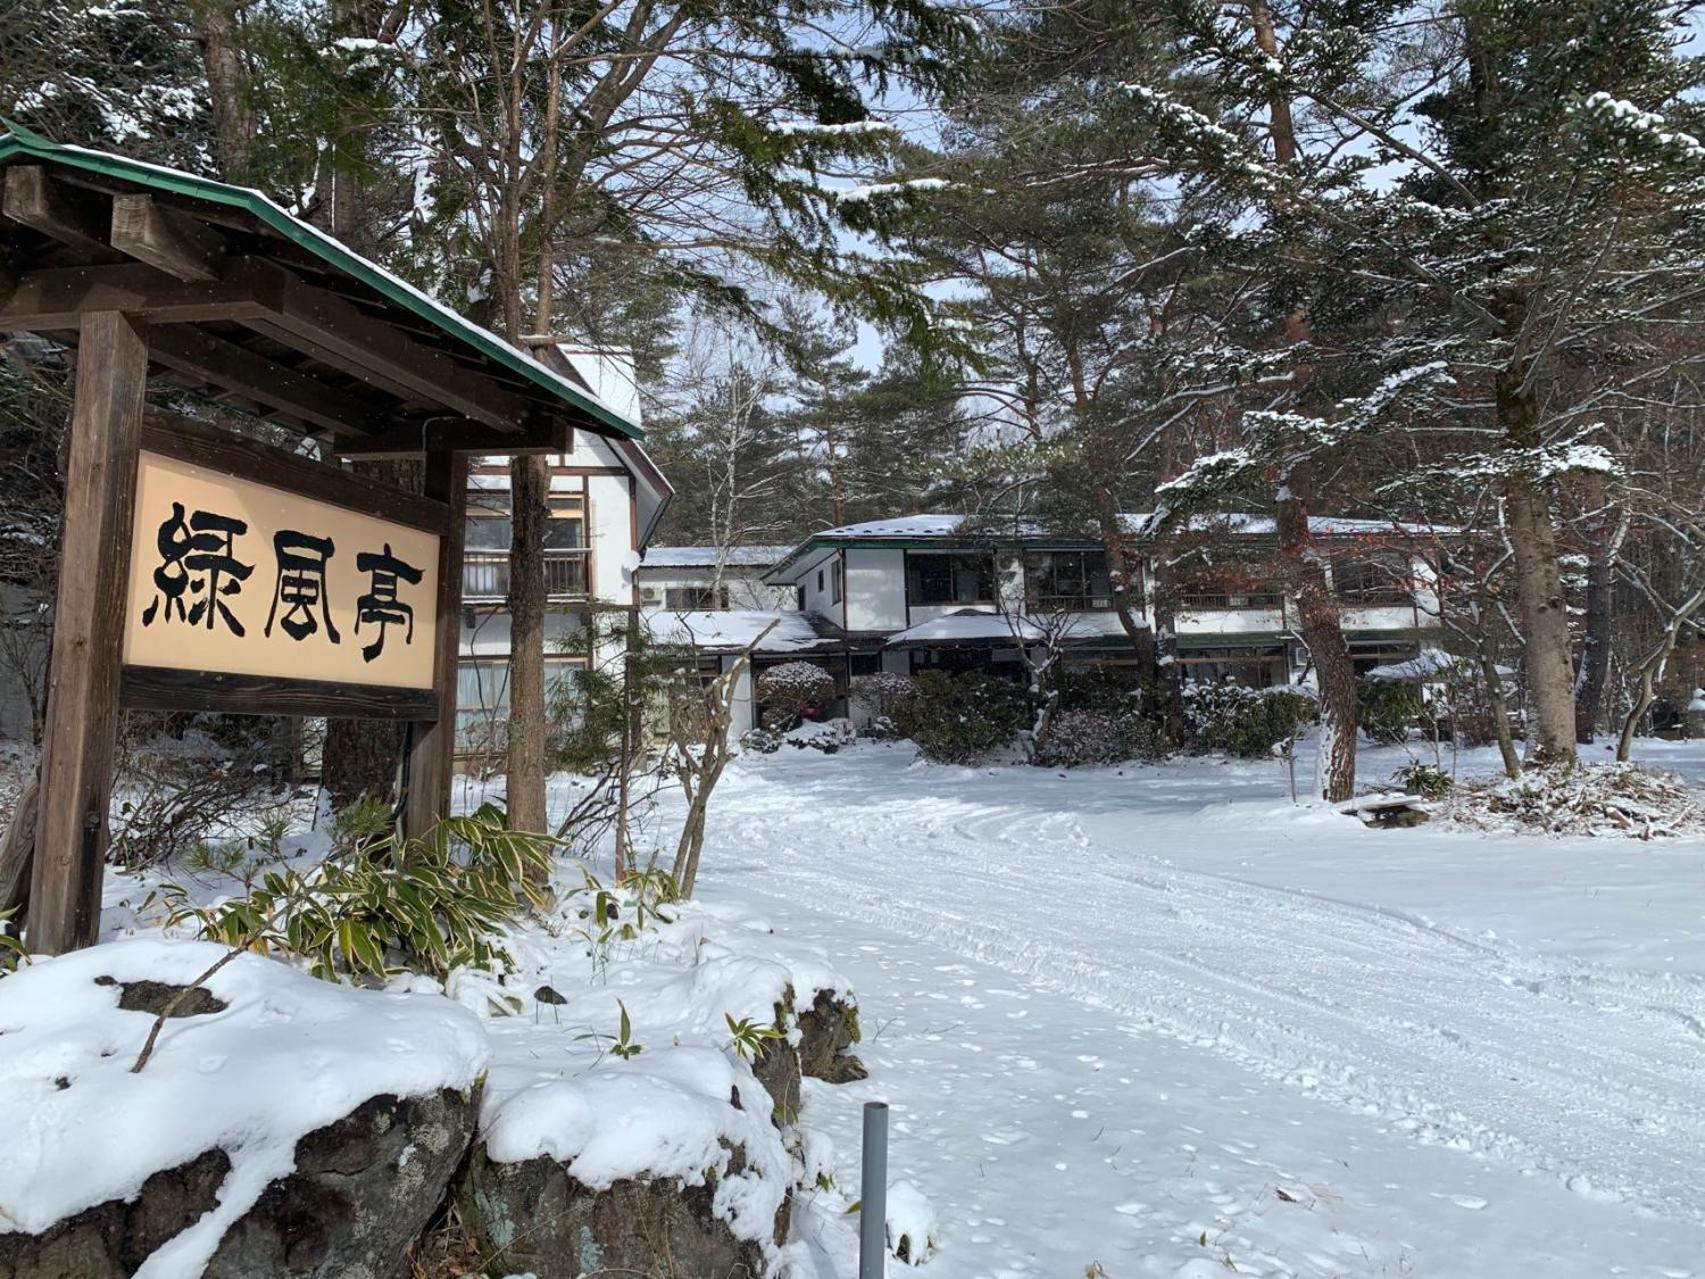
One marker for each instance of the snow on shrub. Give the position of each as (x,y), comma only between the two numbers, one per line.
(911,1224)
(1247,722)
(1589,799)
(281,1055)
(962,719)
(1080,739)
(763,741)
(788,691)
(828,736)
(874,696)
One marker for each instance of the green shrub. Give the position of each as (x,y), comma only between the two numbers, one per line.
(381,904)
(1247,722)
(586,720)
(1113,690)
(1387,709)
(1423,779)
(960,719)
(875,696)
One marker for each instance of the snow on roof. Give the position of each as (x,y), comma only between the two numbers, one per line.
(948,524)
(972,626)
(732,629)
(707,556)
(288,1055)
(1429,663)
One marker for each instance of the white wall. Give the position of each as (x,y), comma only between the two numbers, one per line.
(745,589)
(819,601)
(876,589)
(609,532)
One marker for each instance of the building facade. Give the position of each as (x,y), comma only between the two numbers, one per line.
(936,592)
(606,497)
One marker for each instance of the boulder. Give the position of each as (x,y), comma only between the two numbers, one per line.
(534,1218)
(110,1240)
(826,1030)
(363,1190)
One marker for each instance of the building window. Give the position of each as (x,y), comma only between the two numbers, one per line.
(953,578)
(1373,580)
(482,696)
(837,574)
(686,599)
(1072,581)
(489,535)
(819,581)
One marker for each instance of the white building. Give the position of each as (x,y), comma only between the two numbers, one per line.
(924,591)
(606,497)
(713,578)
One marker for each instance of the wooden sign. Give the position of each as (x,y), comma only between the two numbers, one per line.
(264,582)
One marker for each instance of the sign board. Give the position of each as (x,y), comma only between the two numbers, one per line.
(264,584)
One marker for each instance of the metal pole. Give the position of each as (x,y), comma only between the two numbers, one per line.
(873,1194)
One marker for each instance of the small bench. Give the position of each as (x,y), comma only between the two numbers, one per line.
(1387,810)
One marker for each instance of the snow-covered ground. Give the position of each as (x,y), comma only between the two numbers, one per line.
(1162,1022)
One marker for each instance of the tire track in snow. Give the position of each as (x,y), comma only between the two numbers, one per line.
(1459,1042)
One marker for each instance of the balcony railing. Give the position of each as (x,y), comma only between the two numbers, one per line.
(485,576)
(1075,603)
(1231,601)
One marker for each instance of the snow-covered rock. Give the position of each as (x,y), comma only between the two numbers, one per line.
(911,1224)
(281,1126)
(665,1164)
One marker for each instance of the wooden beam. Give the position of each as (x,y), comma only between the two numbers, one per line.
(548,436)
(59,297)
(335,331)
(167,239)
(166,689)
(75,218)
(202,445)
(233,368)
(83,678)
(432,747)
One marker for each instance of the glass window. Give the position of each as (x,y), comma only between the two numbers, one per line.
(1076,580)
(688,598)
(952,578)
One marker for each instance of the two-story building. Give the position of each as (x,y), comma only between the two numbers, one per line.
(923,591)
(606,497)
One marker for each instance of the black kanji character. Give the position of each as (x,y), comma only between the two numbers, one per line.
(301,585)
(380,605)
(197,560)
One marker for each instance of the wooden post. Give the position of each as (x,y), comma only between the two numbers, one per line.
(432,747)
(83,681)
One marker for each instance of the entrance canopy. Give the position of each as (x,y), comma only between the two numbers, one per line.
(255,307)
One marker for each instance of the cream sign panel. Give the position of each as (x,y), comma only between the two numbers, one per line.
(237,577)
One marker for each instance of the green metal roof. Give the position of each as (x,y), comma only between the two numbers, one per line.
(19,141)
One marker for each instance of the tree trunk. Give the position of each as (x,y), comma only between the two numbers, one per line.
(17,853)
(1593,675)
(222,60)
(1168,671)
(529,487)
(1320,627)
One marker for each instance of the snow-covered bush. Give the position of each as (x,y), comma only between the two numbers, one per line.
(791,691)
(960,719)
(762,741)
(1388,709)
(1242,721)
(1081,739)
(828,736)
(874,696)
(1113,690)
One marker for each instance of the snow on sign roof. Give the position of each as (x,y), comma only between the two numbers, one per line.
(944,524)
(707,556)
(971,626)
(731,630)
